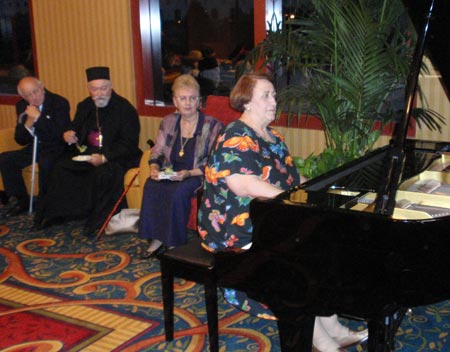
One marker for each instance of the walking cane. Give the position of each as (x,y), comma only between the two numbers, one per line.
(100,232)
(33,170)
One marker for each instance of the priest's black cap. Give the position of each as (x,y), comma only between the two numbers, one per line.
(97,72)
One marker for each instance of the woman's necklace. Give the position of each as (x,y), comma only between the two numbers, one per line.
(183,143)
(99,128)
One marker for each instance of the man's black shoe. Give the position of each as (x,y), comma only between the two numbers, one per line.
(40,224)
(3,197)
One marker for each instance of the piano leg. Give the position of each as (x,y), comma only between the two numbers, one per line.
(382,333)
(296,336)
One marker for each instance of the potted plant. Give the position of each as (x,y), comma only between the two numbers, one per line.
(343,61)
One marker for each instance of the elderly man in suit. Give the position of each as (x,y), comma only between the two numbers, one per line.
(45,115)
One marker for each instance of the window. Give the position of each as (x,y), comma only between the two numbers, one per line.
(205,38)
(16,51)
(167,31)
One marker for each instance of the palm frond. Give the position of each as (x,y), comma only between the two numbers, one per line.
(429,118)
(343,62)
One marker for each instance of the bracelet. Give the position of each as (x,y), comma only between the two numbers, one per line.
(103,159)
(189,174)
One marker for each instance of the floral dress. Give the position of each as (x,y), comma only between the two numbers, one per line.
(224,221)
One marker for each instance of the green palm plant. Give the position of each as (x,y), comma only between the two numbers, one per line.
(352,56)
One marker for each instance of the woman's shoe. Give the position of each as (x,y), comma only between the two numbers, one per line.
(322,341)
(353,338)
(150,254)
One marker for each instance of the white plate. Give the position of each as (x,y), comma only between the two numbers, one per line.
(163,176)
(82,158)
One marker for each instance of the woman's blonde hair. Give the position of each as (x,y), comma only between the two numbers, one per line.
(242,92)
(185,81)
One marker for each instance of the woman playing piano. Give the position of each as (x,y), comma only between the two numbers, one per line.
(249,160)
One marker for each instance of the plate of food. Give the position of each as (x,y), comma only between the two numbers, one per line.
(167,174)
(82,158)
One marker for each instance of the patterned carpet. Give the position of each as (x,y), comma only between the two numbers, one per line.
(61,291)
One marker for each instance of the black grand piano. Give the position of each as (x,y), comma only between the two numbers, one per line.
(368,240)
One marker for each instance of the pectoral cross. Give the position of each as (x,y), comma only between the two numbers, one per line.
(100,140)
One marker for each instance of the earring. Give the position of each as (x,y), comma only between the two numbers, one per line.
(247,108)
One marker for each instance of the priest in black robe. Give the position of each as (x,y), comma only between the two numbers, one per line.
(103,140)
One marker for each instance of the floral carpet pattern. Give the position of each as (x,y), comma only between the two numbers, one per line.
(63,291)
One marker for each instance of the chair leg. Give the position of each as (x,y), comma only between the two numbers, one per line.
(211,313)
(168,297)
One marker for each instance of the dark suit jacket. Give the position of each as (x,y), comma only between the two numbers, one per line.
(120,127)
(49,128)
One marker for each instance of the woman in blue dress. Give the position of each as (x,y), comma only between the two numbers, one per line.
(177,162)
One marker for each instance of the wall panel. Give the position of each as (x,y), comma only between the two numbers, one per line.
(7,116)
(73,35)
(149,129)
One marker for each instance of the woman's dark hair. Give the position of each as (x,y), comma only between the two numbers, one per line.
(242,92)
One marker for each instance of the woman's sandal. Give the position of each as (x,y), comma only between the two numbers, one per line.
(150,254)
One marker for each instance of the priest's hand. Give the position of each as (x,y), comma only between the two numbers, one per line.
(97,159)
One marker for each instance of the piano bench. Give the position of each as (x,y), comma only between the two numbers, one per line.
(190,262)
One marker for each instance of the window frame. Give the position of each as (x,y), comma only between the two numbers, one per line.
(13,99)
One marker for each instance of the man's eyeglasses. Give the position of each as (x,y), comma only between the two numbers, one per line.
(184,99)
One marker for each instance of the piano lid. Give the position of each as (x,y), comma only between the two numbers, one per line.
(429,19)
